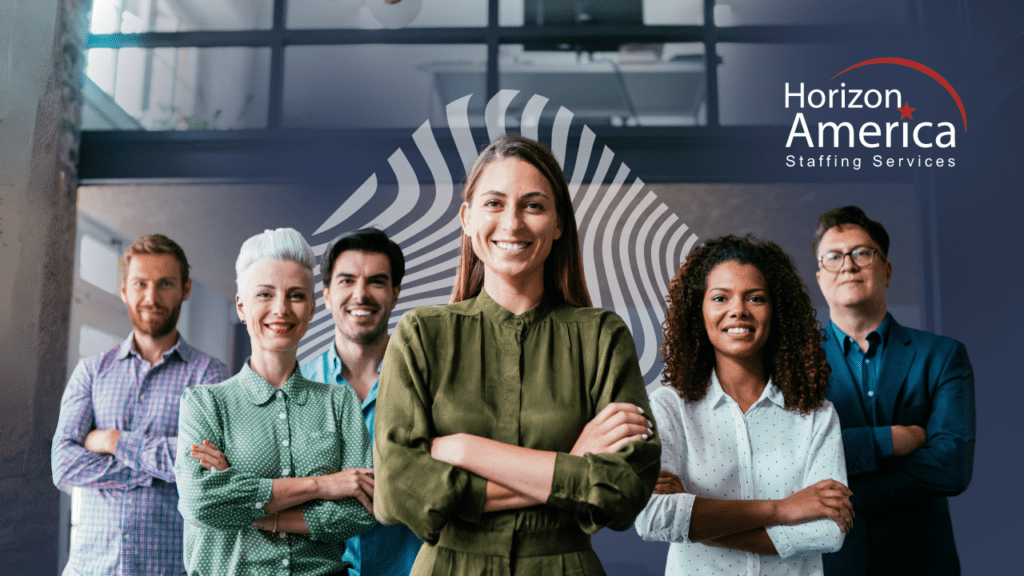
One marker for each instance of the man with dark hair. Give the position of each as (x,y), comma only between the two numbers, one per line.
(362,274)
(118,425)
(905,400)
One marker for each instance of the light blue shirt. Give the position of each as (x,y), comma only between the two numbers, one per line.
(382,550)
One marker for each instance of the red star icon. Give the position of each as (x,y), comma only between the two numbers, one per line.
(906,111)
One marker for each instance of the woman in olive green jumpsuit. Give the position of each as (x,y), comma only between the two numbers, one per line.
(510,423)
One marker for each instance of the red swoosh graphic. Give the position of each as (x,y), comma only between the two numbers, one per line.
(920,68)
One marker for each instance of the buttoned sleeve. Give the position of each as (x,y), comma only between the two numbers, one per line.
(944,465)
(666,517)
(824,460)
(226,500)
(74,465)
(338,520)
(411,487)
(610,489)
(152,454)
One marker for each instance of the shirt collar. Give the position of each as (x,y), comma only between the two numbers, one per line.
(717,396)
(334,362)
(336,367)
(180,348)
(260,391)
(484,303)
(879,336)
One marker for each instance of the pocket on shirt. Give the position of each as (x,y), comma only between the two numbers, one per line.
(318,453)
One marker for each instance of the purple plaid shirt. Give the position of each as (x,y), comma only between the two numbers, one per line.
(129,509)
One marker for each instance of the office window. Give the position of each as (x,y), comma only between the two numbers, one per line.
(130,16)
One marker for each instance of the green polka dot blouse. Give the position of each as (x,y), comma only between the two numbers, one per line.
(304,429)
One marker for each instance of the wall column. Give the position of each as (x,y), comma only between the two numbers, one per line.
(41,69)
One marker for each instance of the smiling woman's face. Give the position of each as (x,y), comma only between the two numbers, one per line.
(512,221)
(737,312)
(276,305)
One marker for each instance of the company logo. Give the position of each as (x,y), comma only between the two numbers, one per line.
(890,142)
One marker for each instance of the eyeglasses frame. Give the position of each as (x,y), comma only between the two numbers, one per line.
(821,259)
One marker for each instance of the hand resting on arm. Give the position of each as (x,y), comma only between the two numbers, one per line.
(739,524)
(520,477)
(287,493)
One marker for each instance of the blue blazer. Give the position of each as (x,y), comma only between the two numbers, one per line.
(902,523)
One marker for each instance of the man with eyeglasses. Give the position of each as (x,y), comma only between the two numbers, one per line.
(905,400)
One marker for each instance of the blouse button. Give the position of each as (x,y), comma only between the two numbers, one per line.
(282,416)
(284,562)
(285,471)
(284,443)
(259,505)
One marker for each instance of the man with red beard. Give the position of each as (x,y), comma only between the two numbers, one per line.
(117,433)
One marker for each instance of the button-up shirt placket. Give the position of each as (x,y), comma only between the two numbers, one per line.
(286,462)
(746,464)
(134,416)
(511,390)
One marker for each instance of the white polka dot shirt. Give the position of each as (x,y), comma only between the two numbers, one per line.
(719,452)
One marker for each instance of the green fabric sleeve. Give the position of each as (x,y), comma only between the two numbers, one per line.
(611,489)
(339,520)
(227,500)
(411,487)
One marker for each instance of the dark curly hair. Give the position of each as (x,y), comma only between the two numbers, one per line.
(792,355)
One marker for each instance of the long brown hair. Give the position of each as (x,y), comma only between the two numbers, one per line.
(564,282)
(792,356)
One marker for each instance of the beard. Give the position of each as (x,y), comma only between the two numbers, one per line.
(158,326)
(366,336)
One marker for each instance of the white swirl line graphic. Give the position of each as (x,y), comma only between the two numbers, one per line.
(659,269)
(458,124)
(443,186)
(531,116)
(609,240)
(582,161)
(632,280)
(595,186)
(408,192)
(643,254)
(645,321)
(560,134)
(590,238)
(494,113)
(357,200)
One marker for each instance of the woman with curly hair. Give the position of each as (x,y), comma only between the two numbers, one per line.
(753,473)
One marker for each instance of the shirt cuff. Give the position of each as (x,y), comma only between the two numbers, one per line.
(128,451)
(883,441)
(471,506)
(780,538)
(264,486)
(569,481)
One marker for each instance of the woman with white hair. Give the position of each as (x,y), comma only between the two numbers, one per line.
(271,467)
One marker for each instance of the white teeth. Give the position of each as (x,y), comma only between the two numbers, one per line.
(737,330)
(511,245)
(360,312)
